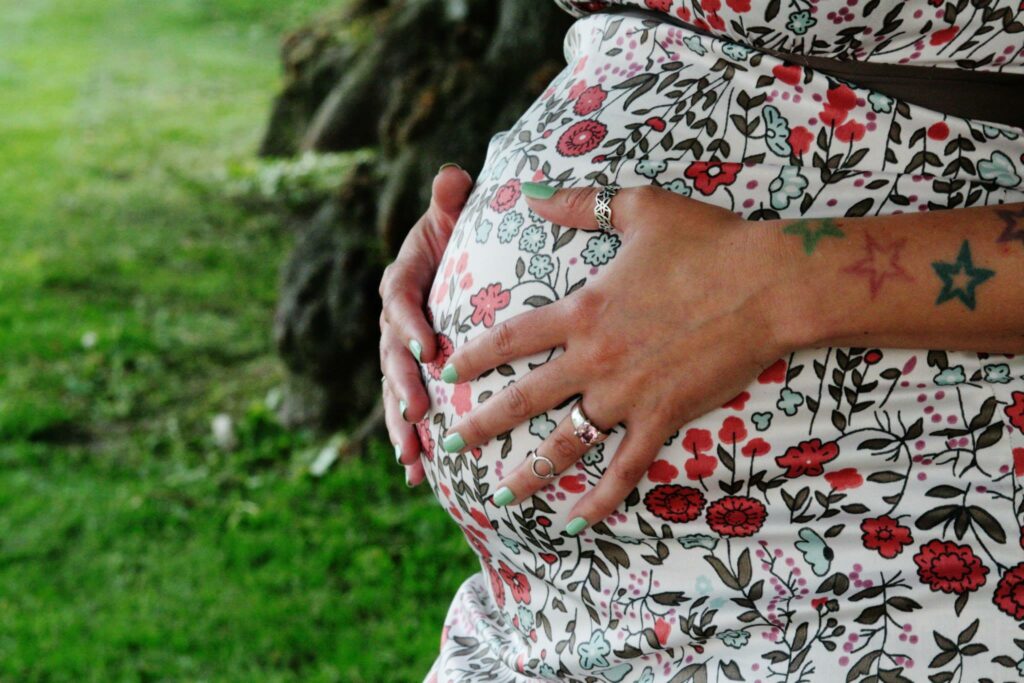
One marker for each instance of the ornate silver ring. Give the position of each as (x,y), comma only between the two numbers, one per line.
(603,206)
(584,429)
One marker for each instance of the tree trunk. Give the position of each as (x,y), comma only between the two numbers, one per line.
(421,82)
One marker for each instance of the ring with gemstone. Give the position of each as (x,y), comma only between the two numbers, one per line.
(550,473)
(603,206)
(584,429)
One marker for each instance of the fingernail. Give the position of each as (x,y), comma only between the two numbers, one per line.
(408,482)
(402,405)
(538,190)
(577,525)
(398,453)
(453,443)
(503,496)
(450,374)
(446,165)
(416,348)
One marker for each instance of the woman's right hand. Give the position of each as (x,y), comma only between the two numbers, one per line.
(406,337)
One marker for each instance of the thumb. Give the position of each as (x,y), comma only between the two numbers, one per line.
(449,192)
(575,206)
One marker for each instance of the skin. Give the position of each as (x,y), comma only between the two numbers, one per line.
(732,297)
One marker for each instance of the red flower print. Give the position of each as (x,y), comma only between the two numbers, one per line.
(938,131)
(656,122)
(662,629)
(426,440)
(738,6)
(506,196)
(774,373)
(818,603)
(788,73)
(581,137)
(1018,462)
(716,21)
(708,175)
(949,567)
(516,581)
(662,471)
(675,503)
(733,430)
(577,89)
(736,516)
(445,348)
(872,356)
(755,447)
(573,483)
(832,116)
(1009,595)
(700,466)
(463,262)
(885,535)
(711,5)
(944,36)
(807,458)
(683,13)
(660,5)
(851,131)
(800,140)
(497,585)
(487,301)
(738,401)
(1015,411)
(842,97)
(589,100)
(477,544)
(462,399)
(846,478)
(697,440)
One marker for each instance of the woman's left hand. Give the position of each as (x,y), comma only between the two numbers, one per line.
(681,321)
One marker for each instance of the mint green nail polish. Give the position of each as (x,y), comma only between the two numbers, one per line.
(398,453)
(503,496)
(538,190)
(416,348)
(453,443)
(450,374)
(402,405)
(577,525)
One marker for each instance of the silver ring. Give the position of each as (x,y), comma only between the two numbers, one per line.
(550,474)
(584,429)
(603,206)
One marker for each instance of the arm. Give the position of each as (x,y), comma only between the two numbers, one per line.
(942,279)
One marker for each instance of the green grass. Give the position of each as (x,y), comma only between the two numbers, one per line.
(131,548)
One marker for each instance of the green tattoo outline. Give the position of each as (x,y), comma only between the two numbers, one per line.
(803,228)
(964,263)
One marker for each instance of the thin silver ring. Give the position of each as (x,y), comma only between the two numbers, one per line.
(550,474)
(584,429)
(603,206)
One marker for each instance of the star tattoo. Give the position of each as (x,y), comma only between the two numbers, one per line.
(879,263)
(1012,230)
(812,235)
(960,277)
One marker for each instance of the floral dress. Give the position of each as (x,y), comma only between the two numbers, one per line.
(855,514)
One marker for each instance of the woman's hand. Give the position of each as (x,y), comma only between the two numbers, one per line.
(405,335)
(678,324)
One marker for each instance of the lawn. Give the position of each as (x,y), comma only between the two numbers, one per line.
(135,304)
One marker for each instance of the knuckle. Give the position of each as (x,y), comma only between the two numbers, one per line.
(476,428)
(501,338)
(580,199)
(627,474)
(565,446)
(517,402)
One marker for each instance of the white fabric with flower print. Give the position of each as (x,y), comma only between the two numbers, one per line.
(854,514)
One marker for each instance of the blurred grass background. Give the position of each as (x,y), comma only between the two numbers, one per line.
(136,298)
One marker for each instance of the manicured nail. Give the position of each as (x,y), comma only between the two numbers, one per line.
(538,190)
(416,349)
(402,405)
(503,496)
(408,481)
(453,443)
(450,374)
(398,453)
(577,525)
(446,165)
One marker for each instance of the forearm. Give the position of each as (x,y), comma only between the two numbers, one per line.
(951,279)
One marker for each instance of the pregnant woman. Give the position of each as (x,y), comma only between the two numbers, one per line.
(755,416)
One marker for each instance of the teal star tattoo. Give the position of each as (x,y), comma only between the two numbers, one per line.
(812,235)
(960,277)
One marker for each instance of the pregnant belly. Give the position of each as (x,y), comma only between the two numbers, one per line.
(824,439)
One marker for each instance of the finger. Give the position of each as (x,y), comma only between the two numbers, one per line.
(404,378)
(403,287)
(521,335)
(449,192)
(638,449)
(414,473)
(562,448)
(574,206)
(402,434)
(542,389)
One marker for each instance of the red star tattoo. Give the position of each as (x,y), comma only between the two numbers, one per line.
(1012,230)
(880,262)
